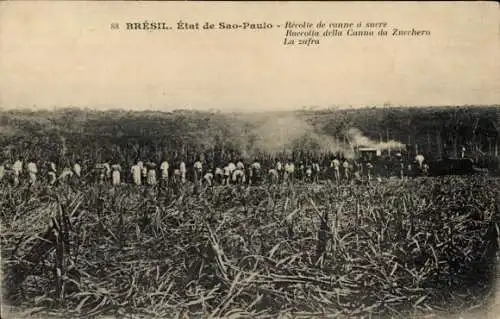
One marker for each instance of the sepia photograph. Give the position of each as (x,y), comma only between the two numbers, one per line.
(249,159)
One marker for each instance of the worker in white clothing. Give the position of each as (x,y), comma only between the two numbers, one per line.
(231,168)
(227,175)
(151,173)
(52,167)
(289,175)
(238,176)
(17,169)
(198,171)
(115,175)
(240,165)
(136,172)
(335,165)
(316,171)
(164,171)
(208,179)
(419,159)
(182,169)
(32,171)
(347,169)
(2,171)
(52,173)
(273,176)
(309,174)
(77,169)
(369,168)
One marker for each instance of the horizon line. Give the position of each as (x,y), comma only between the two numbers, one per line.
(35,108)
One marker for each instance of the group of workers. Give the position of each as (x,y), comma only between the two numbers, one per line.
(201,172)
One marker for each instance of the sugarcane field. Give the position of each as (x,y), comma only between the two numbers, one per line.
(364,213)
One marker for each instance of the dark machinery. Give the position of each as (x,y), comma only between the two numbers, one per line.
(454,166)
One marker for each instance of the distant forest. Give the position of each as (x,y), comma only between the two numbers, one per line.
(126,135)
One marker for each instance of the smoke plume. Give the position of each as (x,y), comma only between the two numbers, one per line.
(357,138)
(275,134)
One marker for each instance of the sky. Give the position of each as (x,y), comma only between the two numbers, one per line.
(64,54)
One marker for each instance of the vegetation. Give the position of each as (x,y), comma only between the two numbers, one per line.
(393,249)
(127,135)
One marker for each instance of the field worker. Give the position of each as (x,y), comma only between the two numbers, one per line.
(419,159)
(144,171)
(462,153)
(279,169)
(358,167)
(301,170)
(182,170)
(164,171)
(398,165)
(425,169)
(231,168)
(177,176)
(273,175)
(115,175)
(104,172)
(100,171)
(66,174)
(240,165)
(316,171)
(309,174)
(141,165)
(219,175)
(401,165)
(289,174)
(357,176)
(401,168)
(238,176)
(198,171)
(2,171)
(151,174)
(52,174)
(208,179)
(227,175)
(346,168)
(17,169)
(278,166)
(77,169)
(136,172)
(255,172)
(32,171)
(52,167)
(107,168)
(335,165)
(369,168)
